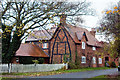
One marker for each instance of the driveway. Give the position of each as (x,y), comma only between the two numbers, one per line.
(86,74)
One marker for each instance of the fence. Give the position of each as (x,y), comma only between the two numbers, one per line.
(31,67)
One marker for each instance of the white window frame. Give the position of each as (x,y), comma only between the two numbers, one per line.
(45,45)
(93,48)
(100,60)
(94,60)
(83,59)
(17,59)
(83,45)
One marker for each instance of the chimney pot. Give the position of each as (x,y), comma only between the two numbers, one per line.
(93,31)
(63,18)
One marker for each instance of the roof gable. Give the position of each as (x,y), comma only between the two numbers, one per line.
(80,35)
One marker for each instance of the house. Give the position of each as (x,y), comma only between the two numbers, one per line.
(67,43)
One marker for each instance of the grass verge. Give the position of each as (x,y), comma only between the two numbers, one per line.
(106,77)
(56,72)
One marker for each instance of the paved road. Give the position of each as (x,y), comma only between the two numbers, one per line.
(86,74)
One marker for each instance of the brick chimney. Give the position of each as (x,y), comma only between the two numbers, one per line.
(93,31)
(63,19)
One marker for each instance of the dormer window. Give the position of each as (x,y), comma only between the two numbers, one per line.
(83,45)
(44,45)
(94,48)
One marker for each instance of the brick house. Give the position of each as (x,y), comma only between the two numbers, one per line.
(68,43)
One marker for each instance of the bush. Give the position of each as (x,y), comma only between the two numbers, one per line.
(113,65)
(72,66)
(26,60)
(107,64)
(35,61)
(41,60)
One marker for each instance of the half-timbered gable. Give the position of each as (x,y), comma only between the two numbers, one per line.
(63,47)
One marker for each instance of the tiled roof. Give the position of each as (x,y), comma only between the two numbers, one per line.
(75,32)
(29,49)
(39,35)
(79,32)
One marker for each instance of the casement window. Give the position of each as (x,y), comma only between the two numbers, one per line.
(17,59)
(83,45)
(45,45)
(100,60)
(83,59)
(93,48)
(94,60)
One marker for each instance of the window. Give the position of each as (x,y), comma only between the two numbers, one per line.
(100,60)
(83,60)
(17,59)
(93,48)
(44,45)
(94,60)
(83,45)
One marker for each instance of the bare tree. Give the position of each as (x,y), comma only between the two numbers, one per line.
(19,18)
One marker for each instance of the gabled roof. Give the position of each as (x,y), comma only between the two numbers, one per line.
(29,49)
(79,34)
(39,35)
(75,32)
(79,31)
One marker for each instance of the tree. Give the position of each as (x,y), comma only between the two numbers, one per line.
(20,18)
(110,25)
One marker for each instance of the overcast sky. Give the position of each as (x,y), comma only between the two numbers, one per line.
(99,6)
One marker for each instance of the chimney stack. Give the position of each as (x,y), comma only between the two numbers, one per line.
(93,31)
(63,19)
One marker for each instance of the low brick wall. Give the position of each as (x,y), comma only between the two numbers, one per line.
(31,67)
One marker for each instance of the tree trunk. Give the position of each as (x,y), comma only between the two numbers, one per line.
(11,50)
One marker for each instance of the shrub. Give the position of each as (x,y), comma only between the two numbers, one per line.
(71,65)
(35,61)
(26,60)
(41,60)
(113,65)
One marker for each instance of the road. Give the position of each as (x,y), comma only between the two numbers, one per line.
(86,74)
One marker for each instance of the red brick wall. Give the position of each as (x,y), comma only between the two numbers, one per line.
(61,47)
(88,53)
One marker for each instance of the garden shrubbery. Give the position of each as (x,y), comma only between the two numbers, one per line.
(41,60)
(72,65)
(113,65)
(31,60)
(26,60)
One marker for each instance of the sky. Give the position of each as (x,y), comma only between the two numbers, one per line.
(99,6)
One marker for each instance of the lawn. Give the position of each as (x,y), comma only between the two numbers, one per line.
(56,72)
(106,77)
